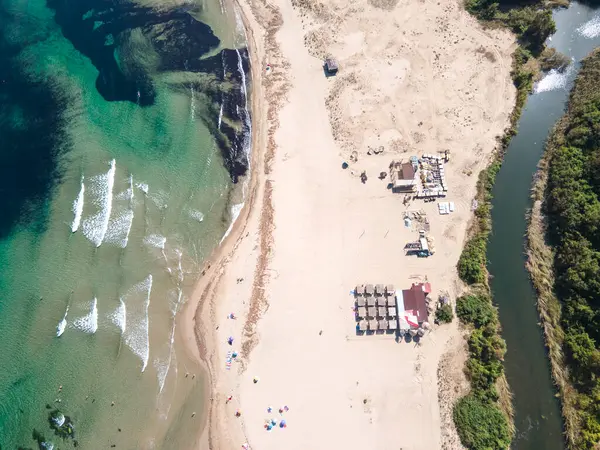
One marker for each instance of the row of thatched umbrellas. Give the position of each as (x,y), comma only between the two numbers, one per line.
(381,317)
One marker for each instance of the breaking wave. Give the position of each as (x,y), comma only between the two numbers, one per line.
(95,227)
(89,322)
(136,334)
(78,208)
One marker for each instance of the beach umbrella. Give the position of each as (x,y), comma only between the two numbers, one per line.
(269,409)
(230,340)
(245,446)
(234,355)
(282,424)
(269,427)
(255,379)
(273,422)
(286,409)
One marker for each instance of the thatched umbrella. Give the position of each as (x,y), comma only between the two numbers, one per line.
(389,290)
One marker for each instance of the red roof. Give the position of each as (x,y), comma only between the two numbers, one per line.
(414,300)
(425,287)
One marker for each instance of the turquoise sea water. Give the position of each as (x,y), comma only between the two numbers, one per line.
(123,127)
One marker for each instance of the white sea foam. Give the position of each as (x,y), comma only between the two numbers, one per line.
(89,322)
(194,214)
(590,29)
(554,80)
(162,367)
(175,298)
(78,208)
(59,420)
(119,316)
(159,198)
(137,335)
(235,213)
(130,190)
(247,143)
(155,240)
(142,187)
(60,328)
(179,270)
(192,103)
(47,445)
(220,116)
(119,229)
(95,227)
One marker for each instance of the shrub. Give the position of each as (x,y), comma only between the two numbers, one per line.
(476,310)
(481,425)
(444,314)
(471,265)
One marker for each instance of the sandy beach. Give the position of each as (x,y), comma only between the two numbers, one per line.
(416,77)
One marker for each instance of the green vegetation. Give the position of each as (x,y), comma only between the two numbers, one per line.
(572,208)
(484,417)
(476,310)
(443,314)
(480,426)
(529,20)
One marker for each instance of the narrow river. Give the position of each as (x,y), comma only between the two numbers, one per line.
(537,411)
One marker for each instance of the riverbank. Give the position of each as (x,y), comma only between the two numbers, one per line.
(310,231)
(546,224)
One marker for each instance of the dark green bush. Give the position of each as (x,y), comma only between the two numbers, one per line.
(444,314)
(471,264)
(573,211)
(476,310)
(481,425)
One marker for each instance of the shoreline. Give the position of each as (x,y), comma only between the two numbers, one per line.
(256,223)
(199,337)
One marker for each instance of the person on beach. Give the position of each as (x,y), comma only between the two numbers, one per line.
(229,399)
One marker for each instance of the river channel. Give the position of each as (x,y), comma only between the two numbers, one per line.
(537,410)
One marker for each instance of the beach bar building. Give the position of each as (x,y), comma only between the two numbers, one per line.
(411,306)
(403,177)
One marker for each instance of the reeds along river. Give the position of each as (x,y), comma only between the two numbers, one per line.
(124,127)
(537,412)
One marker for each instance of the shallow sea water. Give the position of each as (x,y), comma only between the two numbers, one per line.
(115,184)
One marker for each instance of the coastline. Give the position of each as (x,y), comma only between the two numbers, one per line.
(199,312)
(249,249)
